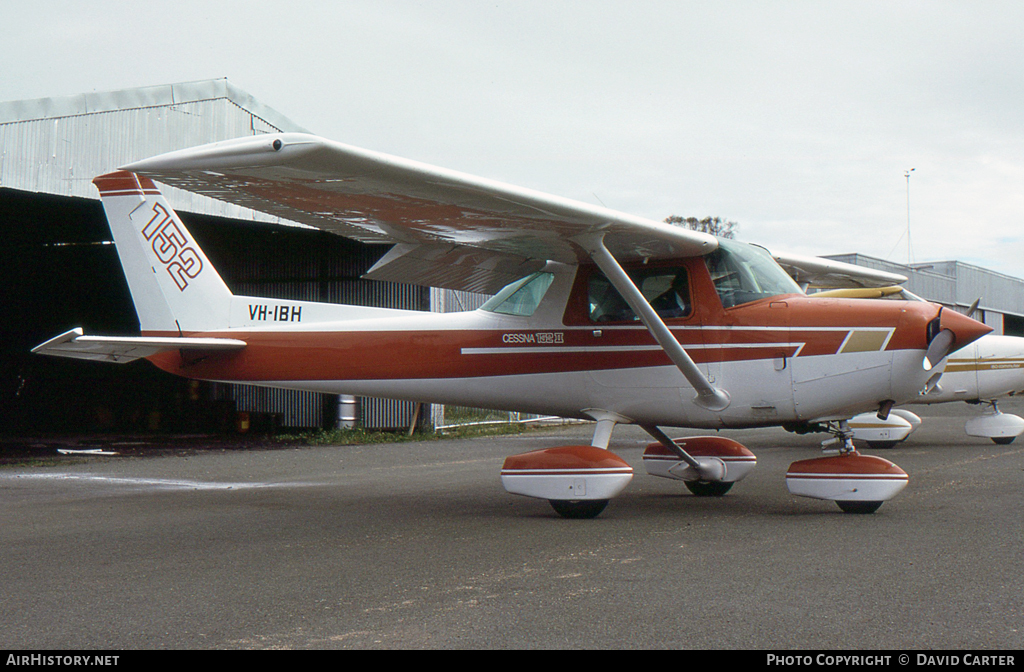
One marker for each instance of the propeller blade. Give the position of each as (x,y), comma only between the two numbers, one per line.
(938,348)
(974,307)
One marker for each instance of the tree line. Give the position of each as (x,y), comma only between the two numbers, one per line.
(716,226)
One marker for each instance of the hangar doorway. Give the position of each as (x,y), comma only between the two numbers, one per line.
(60,270)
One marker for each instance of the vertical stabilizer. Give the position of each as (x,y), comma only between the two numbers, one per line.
(175,288)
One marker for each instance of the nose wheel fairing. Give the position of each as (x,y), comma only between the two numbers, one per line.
(846,478)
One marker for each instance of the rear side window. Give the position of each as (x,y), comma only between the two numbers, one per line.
(522,297)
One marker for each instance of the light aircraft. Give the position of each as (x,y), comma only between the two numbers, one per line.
(983,372)
(597,315)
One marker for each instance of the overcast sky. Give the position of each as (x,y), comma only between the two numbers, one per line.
(798,120)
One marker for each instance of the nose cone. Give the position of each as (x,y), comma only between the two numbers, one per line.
(965,329)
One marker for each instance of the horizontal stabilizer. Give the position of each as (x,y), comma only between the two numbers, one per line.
(123,349)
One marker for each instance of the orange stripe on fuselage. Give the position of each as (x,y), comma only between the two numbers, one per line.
(457,354)
(806,327)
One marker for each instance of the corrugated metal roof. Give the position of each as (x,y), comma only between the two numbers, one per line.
(148,96)
(57,145)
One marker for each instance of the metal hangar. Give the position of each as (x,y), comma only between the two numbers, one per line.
(61,269)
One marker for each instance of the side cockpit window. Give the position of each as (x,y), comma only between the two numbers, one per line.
(666,289)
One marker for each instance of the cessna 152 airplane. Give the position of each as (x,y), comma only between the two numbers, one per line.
(983,372)
(597,315)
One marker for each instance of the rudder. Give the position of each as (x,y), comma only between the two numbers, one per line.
(175,288)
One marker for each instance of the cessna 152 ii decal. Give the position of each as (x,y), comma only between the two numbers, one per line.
(983,372)
(600,315)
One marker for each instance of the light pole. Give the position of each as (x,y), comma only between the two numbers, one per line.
(909,253)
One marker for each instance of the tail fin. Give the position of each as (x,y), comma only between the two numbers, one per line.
(175,288)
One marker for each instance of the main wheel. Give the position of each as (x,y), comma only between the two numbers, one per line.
(708,488)
(859,507)
(1003,440)
(579,509)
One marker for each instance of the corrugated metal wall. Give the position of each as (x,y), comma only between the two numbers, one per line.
(453,301)
(282,408)
(997,291)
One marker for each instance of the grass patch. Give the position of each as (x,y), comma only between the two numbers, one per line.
(358,435)
(44,461)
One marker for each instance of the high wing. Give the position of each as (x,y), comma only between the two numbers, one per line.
(451,229)
(826,273)
(124,349)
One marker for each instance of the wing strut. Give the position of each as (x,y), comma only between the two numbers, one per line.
(708,396)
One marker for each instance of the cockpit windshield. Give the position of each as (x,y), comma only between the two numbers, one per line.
(743,273)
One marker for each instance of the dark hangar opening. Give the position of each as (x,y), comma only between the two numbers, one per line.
(60,270)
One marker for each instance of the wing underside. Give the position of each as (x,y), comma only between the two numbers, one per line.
(452,229)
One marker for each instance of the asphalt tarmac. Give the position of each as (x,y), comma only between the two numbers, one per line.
(416,545)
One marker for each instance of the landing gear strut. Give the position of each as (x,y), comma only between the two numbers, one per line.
(707,465)
(844,439)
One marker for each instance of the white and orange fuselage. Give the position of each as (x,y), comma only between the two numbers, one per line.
(784,359)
